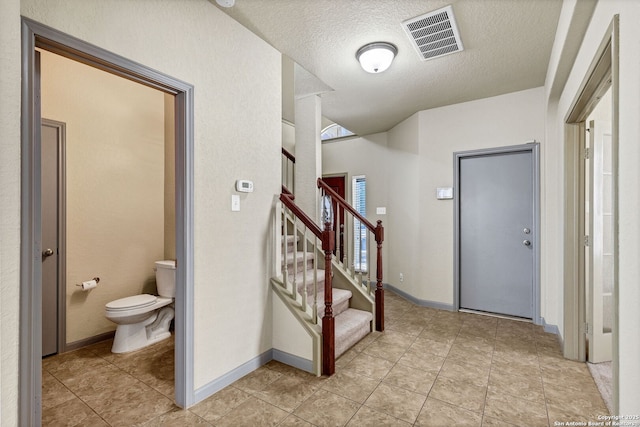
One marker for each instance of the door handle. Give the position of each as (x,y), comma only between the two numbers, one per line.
(526,243)
(47,253)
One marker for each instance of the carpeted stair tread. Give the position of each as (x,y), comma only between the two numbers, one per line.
(340,304)
(351,326)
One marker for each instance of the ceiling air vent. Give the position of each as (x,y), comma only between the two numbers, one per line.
(434,34)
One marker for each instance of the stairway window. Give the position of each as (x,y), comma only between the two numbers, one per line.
(360,232)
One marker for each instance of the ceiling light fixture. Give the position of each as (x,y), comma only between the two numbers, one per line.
(376,57)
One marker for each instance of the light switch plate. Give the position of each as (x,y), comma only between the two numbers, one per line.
(235,203)
(381,210)
(444,193)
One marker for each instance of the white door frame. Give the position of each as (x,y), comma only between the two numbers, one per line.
(604,66)
(534,149)
(35,35)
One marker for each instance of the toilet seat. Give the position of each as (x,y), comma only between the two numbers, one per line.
(132,302)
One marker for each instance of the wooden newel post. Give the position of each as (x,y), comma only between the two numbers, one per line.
(379,233)
(328,321)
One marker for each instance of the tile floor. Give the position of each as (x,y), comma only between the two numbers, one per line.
(429,368)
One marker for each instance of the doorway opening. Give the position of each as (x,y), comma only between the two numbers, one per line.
(590,294)
(37,36)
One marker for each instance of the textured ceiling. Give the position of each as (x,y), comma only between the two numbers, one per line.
(507,44)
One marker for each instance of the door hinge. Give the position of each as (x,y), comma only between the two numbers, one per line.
(586,154)
(586,328)
(586,240)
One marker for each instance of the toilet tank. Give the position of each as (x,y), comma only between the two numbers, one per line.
(166,278)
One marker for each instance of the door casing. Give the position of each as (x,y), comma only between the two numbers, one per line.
(534,148)
(35,35)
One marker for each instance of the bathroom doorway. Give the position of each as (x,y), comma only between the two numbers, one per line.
(37,36)
(119,192)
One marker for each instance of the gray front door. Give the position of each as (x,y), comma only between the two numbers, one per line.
(50,258)
(496,233)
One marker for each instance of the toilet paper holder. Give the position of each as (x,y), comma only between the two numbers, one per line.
(97,279)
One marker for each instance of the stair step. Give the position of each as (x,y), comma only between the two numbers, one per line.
(351,326)
(309,282)
(340,304)
(291,244)
(303,260)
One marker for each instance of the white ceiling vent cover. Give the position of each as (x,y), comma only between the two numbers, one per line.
(434,34)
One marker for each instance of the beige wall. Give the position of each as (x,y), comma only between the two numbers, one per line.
(369,161)
(169,178)
(9,208)
(115,186)
(237,135)
(628,176)
(407,164)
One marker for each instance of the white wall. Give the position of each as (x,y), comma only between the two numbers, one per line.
(628,176)
(114,186)
(237,135)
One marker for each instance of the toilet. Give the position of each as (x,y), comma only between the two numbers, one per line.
(144,319)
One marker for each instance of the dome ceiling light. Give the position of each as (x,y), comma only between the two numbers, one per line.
(376,57)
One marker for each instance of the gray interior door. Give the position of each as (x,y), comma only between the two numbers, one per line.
(50,149)
(496,220)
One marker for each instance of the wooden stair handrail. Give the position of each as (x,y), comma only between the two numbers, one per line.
(343,203)
(288,155)
(327,236)
(287,200)
(378,232)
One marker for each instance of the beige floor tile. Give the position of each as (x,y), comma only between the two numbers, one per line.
(397,402)
(465,357)
(224,401)
(54,392)
(436,413)
(134,405)
(464,393)
(457,369)
(517,411)
(522,387)
(72,412)
(293,421)
(420,360)
(494,422)
(369,417)
(257,380)
(286,392)
(431,346)
(351,385)
(586,401)
(253,412)
(412,379)
(176,418)
(564,414)
(431,367)
(474,344)
(372,367)
(327,409)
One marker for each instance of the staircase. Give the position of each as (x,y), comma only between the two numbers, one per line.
(351,324)
(323,307)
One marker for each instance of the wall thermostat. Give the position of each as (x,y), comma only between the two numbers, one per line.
(244,186)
